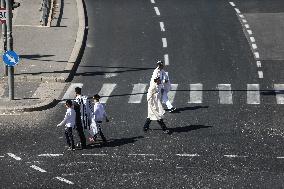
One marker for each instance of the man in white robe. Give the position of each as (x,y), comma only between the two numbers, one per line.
(155,108)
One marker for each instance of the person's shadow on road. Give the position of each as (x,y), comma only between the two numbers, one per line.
(188,128)
(115,142)
(179,110)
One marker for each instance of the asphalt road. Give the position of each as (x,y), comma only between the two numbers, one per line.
(213,144)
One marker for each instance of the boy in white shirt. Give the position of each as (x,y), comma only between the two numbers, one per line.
(69,122)
(98,116)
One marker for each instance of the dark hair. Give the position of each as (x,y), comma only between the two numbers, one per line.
(156,79)
(68,103)
(97,97)
(78,90)
(160,62)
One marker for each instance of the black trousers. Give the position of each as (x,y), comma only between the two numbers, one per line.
(100,132)
(81,135)
(69,137)
(160,122)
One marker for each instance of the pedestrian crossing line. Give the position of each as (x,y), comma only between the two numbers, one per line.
(70,93)
(225,94)
(279,90)
(172,93)
(195,93)
(106,91)
(253,94)
(137,93)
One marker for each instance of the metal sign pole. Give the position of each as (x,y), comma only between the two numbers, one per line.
(4,36)
(10,48)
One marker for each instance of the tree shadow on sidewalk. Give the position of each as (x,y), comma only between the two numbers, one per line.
(115,142)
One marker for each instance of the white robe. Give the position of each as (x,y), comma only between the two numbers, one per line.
(155,108)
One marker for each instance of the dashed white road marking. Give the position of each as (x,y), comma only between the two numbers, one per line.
(279,96)
(137,93)
(2,156)
(241,16)
(247,26)
(256,54)
(162,26)
(195,93)
(280,157)
(254,46)
(258,63)
(50,155)
(253,96)
(166,59)
(188,155)
(233,4)
(64,180)
(70,93)
(165,44)
(225,94)
(105,91)
(249,32)
(109,75)
(260,74)
(153,1)
(157,11)
(237,10)
(38,168)
(244,21)
(142,155)
(235,156)
(14,156)
(252,39)
(172,93)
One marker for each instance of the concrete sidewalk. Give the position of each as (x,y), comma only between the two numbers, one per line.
(46,55)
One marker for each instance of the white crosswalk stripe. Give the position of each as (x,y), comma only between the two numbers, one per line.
(279,90)
(225,94)
(137,93)
(195,93)
(106,91)
(253,94)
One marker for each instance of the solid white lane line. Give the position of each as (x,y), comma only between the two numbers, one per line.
(225,94)
(153,1)
(112,73)
(162,26)
(237,10)
(254,46)
(70,93)
(188,155)
(172,93)
(256,54)
(105,91)
(253,95)
(64,180)
(195,93)
(137,93)
(260,74)
(157,11)
(38,168)
(166,59)
(235,156)
(247,26)
(94,154)
(50,155)
(249,32)
(141,154)
(279,97)
(258,63)
(233,4)
(14,156)
(252,39)
(165,44)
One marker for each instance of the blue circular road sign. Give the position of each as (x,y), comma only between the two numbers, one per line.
(11,58)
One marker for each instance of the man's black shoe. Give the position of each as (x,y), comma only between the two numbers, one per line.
(172,110)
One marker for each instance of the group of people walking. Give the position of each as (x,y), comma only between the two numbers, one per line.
(83,116)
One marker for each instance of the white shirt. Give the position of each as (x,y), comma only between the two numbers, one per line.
(69,119)
(99,112)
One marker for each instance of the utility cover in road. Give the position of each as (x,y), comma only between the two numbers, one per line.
(3,15)
(11,58)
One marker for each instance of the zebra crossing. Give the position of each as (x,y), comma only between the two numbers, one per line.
(195,93)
